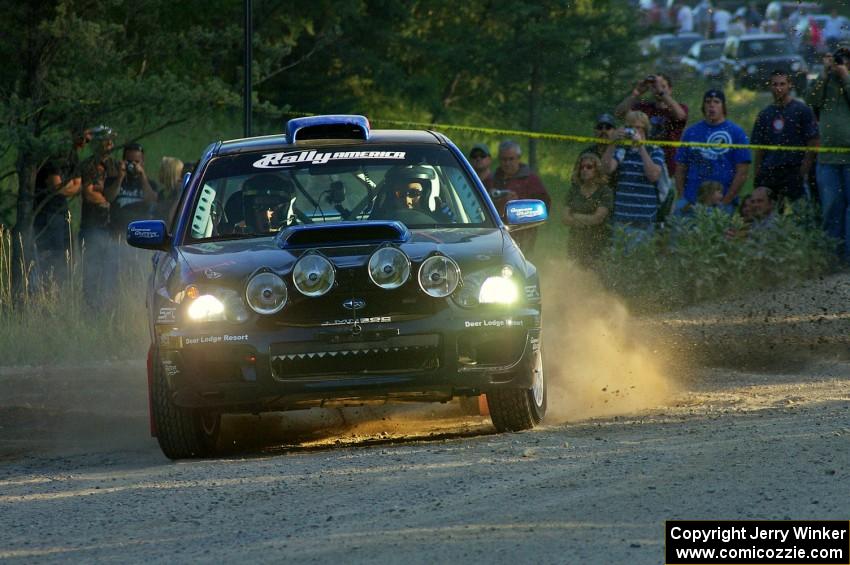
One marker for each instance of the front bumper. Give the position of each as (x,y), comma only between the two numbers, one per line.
(454,353)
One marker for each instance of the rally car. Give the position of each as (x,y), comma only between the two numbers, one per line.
(337,265)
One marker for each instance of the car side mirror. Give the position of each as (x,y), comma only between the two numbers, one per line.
(148,234)
(523,214)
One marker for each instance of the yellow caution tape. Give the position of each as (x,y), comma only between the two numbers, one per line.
(588,139)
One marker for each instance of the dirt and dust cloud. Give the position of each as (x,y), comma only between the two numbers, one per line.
(598,361)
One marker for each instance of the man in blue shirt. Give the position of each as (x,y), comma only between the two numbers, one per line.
(787,122)
(695,165)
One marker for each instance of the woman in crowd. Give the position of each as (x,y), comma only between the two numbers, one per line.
(171,181)
(588,205)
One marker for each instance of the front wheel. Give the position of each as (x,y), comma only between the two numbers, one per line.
(181,432)
(514,410)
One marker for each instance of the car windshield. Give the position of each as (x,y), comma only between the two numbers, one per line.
(675,45)
(764,48)
(710,51)
(258,194)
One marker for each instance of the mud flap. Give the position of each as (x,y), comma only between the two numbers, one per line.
(151,420)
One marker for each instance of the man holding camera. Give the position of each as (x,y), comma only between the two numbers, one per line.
(830,99)
(131,192)
(667,117)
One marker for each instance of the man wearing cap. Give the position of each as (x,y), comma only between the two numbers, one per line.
(605,129)
(667,117)
(95,170)
(99,270)
(786,122)
(695,165)
(481,160)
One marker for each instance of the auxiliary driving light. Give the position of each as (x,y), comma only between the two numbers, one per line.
(206,308)
(439,276)
(266,293)
(389,267)
(313,275)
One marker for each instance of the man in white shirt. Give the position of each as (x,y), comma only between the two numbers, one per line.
(832,30)
(685,19)
(721,23)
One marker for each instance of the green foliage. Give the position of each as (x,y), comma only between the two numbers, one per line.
(713,255)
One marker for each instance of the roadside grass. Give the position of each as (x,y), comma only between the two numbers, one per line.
(51,322)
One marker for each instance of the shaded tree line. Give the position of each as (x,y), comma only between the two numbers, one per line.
(157,64)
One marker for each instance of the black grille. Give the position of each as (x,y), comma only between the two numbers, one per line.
(399,354)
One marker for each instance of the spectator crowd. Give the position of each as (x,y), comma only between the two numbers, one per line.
(112,191)
(637,176)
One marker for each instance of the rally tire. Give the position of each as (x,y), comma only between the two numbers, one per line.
(516,409)
(182,433)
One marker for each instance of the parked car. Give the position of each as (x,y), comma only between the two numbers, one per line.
(750,59)
(703,60)
(338,265)
(666,50)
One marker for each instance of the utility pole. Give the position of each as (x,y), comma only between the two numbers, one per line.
(248,66)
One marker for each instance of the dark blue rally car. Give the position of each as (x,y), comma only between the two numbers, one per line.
(337,265)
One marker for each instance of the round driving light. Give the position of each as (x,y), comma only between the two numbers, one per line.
(266,293)
(313,275)
(439,276)
(389,267)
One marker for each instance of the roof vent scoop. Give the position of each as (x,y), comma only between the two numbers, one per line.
(327,127)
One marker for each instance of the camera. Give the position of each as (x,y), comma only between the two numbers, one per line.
(649,79)
(131,167)
(630,132)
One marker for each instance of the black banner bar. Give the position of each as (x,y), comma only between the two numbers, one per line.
(742,542)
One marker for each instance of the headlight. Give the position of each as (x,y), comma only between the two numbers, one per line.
(795,66)
(266,293)
(483,288)
(389,267)
(206,308)
(439,276)
(313,275)
(498,290)
(214,305)
(752,69)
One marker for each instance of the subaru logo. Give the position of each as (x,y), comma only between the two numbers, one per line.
(354,304)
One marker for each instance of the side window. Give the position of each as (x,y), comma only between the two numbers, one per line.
(470,206)
(202,220)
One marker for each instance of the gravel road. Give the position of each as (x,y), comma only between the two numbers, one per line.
(737,409)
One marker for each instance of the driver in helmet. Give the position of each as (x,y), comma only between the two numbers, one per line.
(409,188)
(266,203)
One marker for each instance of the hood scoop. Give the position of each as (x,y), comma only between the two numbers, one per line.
(342,233)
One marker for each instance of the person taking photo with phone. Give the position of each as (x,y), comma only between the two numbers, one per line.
(639,166)
(667,116)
